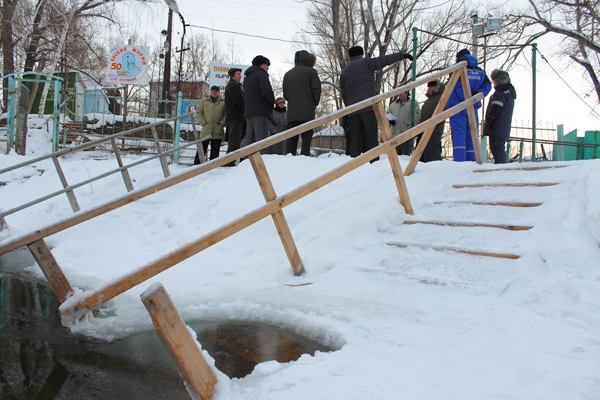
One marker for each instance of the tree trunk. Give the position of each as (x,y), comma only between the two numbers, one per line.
(8,46)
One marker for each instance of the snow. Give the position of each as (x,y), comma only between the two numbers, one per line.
(407,322)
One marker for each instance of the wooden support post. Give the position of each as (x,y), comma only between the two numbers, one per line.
(472,117)
(201,154)
(124,173)
(163,160)
(278,218)
(386,134)
(63,180)
(427,134)
(181,345)
(51,270)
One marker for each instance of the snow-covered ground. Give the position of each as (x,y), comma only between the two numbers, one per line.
(409,323)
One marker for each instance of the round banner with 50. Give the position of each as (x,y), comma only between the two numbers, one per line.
(128,64)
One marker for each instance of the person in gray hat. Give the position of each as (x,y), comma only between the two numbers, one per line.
(498,115)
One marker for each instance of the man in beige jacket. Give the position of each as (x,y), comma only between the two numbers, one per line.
(402,111)
(211,116)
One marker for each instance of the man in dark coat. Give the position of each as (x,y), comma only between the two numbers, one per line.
(234,110)
(259,100)
(433,150)
(302,90)
(357,83)
(498,116)
(459,123)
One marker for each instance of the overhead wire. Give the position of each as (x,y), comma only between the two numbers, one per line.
(569,86)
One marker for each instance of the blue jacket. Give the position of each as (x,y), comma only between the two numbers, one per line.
(498,116)
(478,81)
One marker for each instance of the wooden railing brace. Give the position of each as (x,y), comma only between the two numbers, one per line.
(181,345)
(278,218)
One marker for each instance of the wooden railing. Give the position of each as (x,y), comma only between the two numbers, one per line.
(73,308)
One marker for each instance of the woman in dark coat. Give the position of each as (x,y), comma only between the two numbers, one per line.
(277,125)
(498,116)
(433,150)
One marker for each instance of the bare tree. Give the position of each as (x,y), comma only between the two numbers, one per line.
(577,22)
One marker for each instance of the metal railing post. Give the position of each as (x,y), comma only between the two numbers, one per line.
(55,115)
(533,65)
(560,133)
(10,118)
(177,128)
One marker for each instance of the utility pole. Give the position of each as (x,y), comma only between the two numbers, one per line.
(166,93)
(475,19)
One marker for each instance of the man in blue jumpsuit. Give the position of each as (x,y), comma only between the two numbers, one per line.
(459,123)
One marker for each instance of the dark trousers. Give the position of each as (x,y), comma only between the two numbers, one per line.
(235,134)
(292,143)
(363,133)
(236,130)
(433,150)
(215,147)
(498,149)
(405,148)
(257,128)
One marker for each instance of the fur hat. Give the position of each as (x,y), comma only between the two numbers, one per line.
(500,77)
(463,52)
(355,51)
(232,71)
(260,60)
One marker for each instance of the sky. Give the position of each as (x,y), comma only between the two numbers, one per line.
(411,323)
(284,19)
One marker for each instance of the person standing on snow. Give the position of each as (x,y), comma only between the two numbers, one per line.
(278,125)
(211,116)
(459,123)
(498,116)
(401,109)
(357,83)
(259,100)
(302,90)
(433,149)
(234,110)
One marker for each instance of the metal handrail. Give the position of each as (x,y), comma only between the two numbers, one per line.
(93,144)
(70,188)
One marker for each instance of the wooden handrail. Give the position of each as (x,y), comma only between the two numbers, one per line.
(76,307)
(135,195)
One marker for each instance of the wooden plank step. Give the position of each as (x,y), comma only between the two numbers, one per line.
(474,185)
(491,203)
(520,169)
(470,224)
(455,250)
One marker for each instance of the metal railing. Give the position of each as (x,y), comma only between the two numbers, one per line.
(69,189)
(74,308)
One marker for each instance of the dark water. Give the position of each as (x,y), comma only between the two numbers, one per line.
(40,359)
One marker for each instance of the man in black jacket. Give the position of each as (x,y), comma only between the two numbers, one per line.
(302,90)
(357,83)
(234,110)
(259,99)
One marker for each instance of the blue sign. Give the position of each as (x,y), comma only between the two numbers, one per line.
(189,106)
